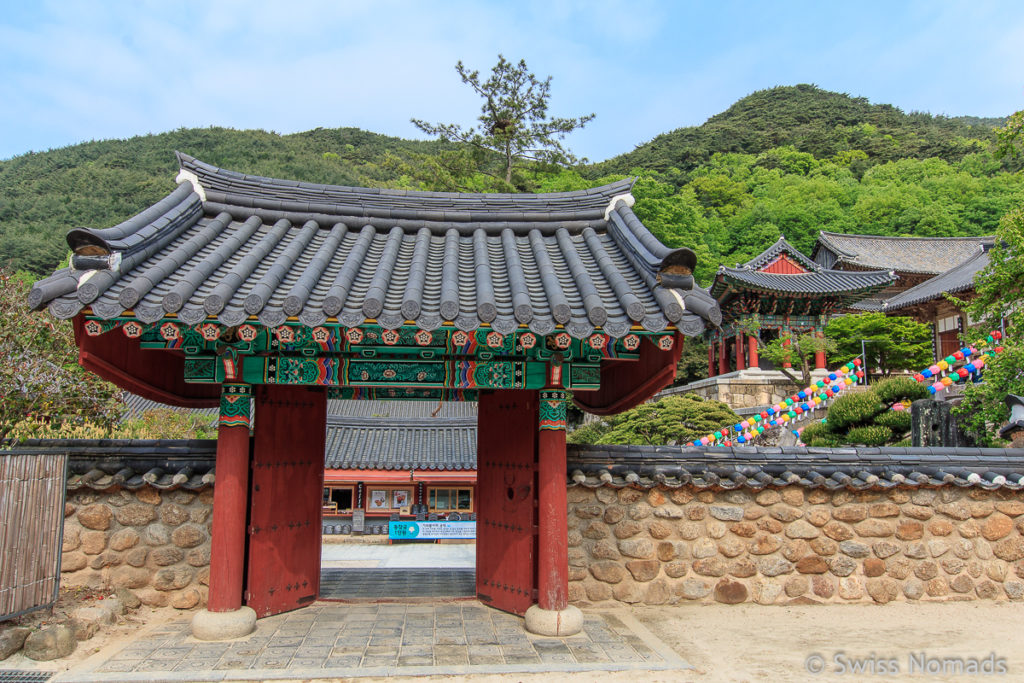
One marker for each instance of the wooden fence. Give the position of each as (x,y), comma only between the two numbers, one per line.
(32,488)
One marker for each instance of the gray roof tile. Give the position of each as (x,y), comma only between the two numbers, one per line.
(953,281)
(271,248)
(929,255)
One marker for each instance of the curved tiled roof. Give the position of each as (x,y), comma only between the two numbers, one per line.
(821,281)
(780,247)
(953,281)
(928,255)
(430,443)
(725,468)
(231,247)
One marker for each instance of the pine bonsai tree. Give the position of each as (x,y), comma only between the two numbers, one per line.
(866,418)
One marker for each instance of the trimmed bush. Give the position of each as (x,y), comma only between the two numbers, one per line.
(871,435)
(898,388)
(853,409)
(897,421)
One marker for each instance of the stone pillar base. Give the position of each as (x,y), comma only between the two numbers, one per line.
(208,625)
(554,622)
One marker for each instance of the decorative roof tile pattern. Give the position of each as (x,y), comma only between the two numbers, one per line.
(953,281)
(234,247)
(773,252)
(755,468)
(929,255)
(822,282)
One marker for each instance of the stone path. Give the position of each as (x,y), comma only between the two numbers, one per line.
(330,640)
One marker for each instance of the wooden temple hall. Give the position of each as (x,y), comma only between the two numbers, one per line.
(782,292)
(264,297)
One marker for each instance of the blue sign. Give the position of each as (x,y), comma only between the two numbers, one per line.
(430,530)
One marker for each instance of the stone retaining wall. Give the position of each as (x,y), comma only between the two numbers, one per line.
(664,546)
(155,543)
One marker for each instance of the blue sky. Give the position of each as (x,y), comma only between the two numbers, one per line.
(75,71)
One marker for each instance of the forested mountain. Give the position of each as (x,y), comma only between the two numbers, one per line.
(811,120)
(790,161)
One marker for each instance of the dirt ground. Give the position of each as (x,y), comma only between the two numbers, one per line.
(740,643)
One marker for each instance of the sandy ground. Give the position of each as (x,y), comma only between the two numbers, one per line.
(757,643)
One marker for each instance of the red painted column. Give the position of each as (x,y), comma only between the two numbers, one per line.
(552,504)
(819,356)
(723,357)
(711,359)
(785,359)
(230,499)
(755,362)
(741,363)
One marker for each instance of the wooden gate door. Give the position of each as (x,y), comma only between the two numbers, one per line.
(506,493)
(285,502)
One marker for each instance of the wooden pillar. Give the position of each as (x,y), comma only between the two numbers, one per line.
(785,344)
(740,351)
(230,499)
(711,359)
(552,504)
(819,356)
(755,362)
(723,356)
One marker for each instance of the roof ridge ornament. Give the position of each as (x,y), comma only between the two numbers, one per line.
(626,198)
(185,175)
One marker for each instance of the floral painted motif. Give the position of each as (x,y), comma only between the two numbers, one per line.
(552,410)
(563,340)
(665,342)
(248,333)
(285,334)
(132,329)
(528,340)
(597,341)
(170,331)
(94,328)
(631,342)
(321,335)
(460,338)
(495,340)
(390,337)
(423,337)
(354,335)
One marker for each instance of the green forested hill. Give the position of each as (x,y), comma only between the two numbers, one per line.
(811,120)
(99,184)
(790,161)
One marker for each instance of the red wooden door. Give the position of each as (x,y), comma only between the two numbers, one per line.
(287,487)
(506,493)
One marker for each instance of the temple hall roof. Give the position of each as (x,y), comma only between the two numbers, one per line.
(926,255)
(846,284)
(780,248)
(955,280)
(230,247)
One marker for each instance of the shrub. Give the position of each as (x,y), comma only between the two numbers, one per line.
(897,421)
(853,409)
(899,388)
(870,435)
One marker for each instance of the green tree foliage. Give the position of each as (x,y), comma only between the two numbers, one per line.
(799,351)
(693,362)
(514,128)
(999,303)
(890,343)
(669,421)
(866,418)
(41,383)
(816,122)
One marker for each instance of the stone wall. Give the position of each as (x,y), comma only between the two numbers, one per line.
(155,543)
(742,390)
(664,546)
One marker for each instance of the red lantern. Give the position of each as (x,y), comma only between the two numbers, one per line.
(959,355)
(996,334)
(919,377)
(856,361)
(859,374)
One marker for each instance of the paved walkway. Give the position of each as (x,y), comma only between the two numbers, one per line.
(328,640)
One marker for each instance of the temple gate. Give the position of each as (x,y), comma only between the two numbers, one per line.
(267,296)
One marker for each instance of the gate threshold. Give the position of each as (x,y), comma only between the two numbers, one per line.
(377,583)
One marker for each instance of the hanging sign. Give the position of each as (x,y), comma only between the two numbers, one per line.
(431,530)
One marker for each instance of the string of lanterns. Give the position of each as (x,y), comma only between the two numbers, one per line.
(801,404)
